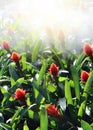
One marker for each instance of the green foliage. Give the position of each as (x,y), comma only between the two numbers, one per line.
(85,125)
(25,127)
(70,96)
(76,81)
(43,119)
(35,51)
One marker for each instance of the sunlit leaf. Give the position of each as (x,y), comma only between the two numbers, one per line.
(85,125)
(68,94)
(25,127)
(76,81)
(61,79)
(43,119)
(51,88)
(35,51)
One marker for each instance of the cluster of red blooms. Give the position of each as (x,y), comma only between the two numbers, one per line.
(87,50)
(52,110)
(20,94)
(14,56)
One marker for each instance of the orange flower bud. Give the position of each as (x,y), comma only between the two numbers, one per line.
(88,49)
(84,76)
(6,45)
(53,69)
(20,94)
(52,110)
(15,57)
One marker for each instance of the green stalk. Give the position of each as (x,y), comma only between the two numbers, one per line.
(85,95)
(43,119)
(69,100)
(68,95)
(76,82)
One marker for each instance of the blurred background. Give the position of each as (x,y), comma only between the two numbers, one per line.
(66,22)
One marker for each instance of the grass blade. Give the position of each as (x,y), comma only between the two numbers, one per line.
(43,119)
(68,95)
(35,51)
(76,82)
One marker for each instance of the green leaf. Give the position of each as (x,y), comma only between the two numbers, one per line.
(13,72)
(62,63)
(1,118)
(5,126)
(31,114)
(76,81)
(20,113)
(42,72)
(15,85)
(40,93)
(16,114)
(80,59)
(12,82)
(35,51)
(38,128)
(85,125)
(25,127)
(91,91)
(26,110)
(3,90)
(4,68)
(68,95)
(61,79)
(20,81)
(43,119)
(92,125)
(23,60)
(51,88)
(6,94)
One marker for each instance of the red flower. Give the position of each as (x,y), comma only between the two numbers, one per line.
(88,49)
(53,69)
(15,57)
(53,111)
(84,76)
(20,94)
(6,45)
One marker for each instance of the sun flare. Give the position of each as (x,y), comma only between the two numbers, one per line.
(53,13)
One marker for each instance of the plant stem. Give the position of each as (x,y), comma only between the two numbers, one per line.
(76,82)
(68,93)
